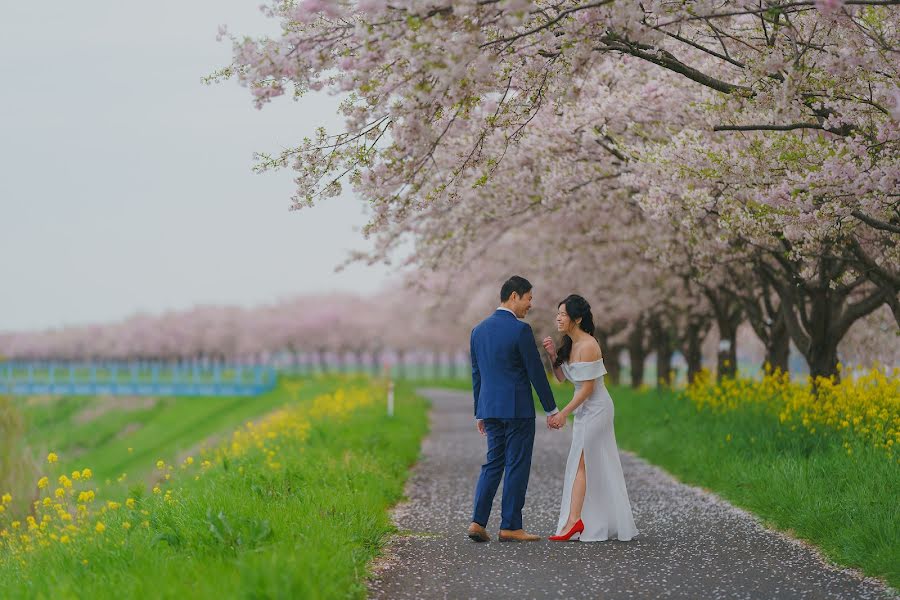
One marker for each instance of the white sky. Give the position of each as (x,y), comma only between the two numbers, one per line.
(126,184)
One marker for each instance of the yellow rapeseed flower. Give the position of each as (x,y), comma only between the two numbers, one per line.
(266,438)
(864,405)
(52,458)
(43,482)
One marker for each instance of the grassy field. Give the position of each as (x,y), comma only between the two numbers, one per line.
(98,432)
(846,504)
(293,507)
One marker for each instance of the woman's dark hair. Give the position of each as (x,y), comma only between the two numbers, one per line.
(577,308)
(516,284)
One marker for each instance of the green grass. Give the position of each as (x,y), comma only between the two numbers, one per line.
(805,485)
(307,530)
(171,426)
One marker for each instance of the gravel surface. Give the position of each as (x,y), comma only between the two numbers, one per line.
(691,544)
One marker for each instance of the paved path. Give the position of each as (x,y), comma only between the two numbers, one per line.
(691,544)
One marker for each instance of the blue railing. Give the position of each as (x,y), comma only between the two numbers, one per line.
(145,378)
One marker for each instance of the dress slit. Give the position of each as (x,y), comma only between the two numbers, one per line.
(572,488)
(606,509)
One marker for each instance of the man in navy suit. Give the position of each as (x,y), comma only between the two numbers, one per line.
(505,364)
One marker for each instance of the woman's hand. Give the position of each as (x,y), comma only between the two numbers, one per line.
(557,421)
(549,347)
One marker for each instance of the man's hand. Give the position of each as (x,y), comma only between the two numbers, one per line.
(549,417)
(480,424)
(557,421)
(550,347)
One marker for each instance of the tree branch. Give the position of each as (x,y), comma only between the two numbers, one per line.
(876,223)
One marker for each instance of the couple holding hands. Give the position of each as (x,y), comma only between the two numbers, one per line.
(505,366)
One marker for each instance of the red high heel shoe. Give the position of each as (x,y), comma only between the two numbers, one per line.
(572,534)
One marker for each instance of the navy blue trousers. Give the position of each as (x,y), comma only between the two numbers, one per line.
(510,442)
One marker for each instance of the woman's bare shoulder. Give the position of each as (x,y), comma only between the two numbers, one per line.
(588,351)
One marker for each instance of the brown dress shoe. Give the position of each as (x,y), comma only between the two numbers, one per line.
(517,535)
(477,533)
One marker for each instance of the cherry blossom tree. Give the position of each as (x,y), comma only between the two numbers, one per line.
(766,131)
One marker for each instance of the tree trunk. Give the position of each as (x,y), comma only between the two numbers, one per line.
(613,360)
(611,353)
(661,338)
(823,360)
(637,353)
(664,366)
(728,314)
(817,312)
(693,349)
(767,319)
(778,346)
(726,356)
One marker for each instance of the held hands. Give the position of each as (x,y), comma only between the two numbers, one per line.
(557,421)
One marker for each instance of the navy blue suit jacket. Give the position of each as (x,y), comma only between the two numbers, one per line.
(505,364)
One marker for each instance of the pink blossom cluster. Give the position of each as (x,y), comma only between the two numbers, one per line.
(714,163)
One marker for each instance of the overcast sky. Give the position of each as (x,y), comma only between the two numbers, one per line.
(126,184)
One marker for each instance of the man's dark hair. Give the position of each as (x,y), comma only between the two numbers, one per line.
(516,284)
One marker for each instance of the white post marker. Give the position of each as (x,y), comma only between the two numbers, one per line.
(390,398)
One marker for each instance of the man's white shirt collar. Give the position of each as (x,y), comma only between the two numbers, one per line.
(507,310)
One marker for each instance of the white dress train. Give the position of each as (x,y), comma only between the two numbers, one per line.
(607,511)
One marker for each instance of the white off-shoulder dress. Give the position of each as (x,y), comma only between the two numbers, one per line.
(607,510)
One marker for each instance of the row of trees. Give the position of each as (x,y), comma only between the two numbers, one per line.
(688,166)
(325,330)
(421,324)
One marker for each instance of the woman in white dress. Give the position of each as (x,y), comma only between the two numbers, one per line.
(595,504)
